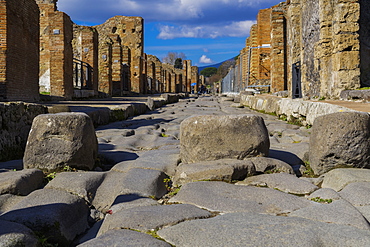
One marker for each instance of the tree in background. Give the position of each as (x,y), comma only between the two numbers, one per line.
(208,72)
(178,63)
(172,56)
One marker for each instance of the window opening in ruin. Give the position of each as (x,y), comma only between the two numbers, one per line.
(83,74)
(123,30)
(296,80)
(133,30)
(114,29)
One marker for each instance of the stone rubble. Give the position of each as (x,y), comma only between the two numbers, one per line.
(143,194)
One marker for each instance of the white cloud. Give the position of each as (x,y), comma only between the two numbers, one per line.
(204,59)
(165,10)
(235,29)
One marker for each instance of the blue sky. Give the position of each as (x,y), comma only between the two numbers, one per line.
(206,31)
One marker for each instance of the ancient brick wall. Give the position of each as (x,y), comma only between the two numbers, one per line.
(105,65)
(187,71)
(19,50)
(278,49)
(85,48)
(130,31)
(157,81)
(195,77)
(56,52)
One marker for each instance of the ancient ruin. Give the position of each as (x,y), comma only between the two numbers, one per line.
(314,49)
(19,50)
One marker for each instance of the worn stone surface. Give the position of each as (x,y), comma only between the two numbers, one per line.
(14,234)
(338,212)
(151,217)
(223,197)
(339,178)
(219,170)
(325,193)
(58,215)
(58,140)
(21,182)
(357,193)
(165,160)
(82,184)
(128,237)
(340,139)
(283,182)
(265,164)
(218,137)
(250,229)
(142,182)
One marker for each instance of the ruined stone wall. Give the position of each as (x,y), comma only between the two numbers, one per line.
(365,42)
(56,52)
(85,48)
(157,74)
(131,32)
(310,35)
(293,18)
(19,50)
(105,60)
(15,121)
(278,49)
(195,77)
(187,70)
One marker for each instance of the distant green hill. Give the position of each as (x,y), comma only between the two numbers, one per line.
(213,65)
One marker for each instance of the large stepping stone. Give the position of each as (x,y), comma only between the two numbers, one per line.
(339,139)
(338,212)
(123,237)
(14,234)
(58,215)
(248,229)
(142,182)
(339,178)
(212,137)
(7,201)
(151,217)
(219,170)
(20,182)
(59,140)
(228,198)
(284,182)
(82,184)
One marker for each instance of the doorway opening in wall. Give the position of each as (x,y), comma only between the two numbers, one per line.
(296,80)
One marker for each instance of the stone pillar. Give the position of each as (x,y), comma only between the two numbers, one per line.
(19,50)
(56,55)
(278,50)
(105,65)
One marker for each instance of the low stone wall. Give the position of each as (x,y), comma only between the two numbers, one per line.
(16,119)
(15,123)
(294,109)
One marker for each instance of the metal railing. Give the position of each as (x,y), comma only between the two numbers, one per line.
(82,75)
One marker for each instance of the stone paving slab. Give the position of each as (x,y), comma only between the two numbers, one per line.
(227,198)
(151,217)
(127,238)
(281,181)
(337,179)
(338,212)
(248,229)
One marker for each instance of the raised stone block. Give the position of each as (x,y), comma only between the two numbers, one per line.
(340,139)
(63,139)
(211,137)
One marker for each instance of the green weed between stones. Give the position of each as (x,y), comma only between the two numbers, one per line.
(321,200)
